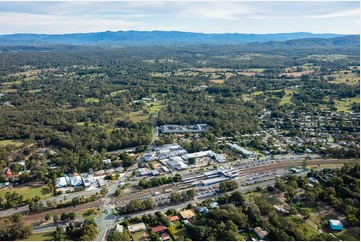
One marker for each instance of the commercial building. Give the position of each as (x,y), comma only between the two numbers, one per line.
(199,154)
(177,163)
(194,128)
(244,152)
(214,181)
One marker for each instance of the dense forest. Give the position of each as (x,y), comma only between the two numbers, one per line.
(83,101)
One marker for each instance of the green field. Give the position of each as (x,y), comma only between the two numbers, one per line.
(346,76)
(91,100)
(155,107)
(345,105)
(140,236)
(287,98)
(113,94)
(34,91)
(180,233)
(137,116)
(45,236)
(11,142)
(29,192)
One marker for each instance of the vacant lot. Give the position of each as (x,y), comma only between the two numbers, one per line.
(29,192)
(45,236)
(140,236)
(11,142)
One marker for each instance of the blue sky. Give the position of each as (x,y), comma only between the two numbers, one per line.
(193,16)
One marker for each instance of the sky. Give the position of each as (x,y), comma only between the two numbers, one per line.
(58,17)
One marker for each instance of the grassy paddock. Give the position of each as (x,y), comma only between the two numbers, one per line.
(45,236)
(11,142)
(29,192)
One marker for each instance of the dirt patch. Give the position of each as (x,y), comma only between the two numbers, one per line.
(218,81)
(296,74)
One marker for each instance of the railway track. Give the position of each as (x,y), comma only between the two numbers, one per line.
(241,172)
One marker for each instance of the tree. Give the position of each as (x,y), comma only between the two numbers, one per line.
(55,218)
(17,218)
(119,236)
(171,229)
(175,197)
(104,191)
(237,198)
(47,216)
(353,220)
(227,186)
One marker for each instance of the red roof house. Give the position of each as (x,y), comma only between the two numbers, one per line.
(165,237)
(174,218)
(159,229)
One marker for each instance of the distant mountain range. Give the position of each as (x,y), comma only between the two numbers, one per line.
(172,37)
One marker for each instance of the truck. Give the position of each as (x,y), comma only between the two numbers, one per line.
(168,190)
(156,193)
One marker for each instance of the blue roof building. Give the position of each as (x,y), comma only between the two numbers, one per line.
(335,224)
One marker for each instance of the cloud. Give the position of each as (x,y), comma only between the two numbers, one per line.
(200,16)
(40,23)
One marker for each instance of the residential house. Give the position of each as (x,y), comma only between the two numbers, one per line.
(260,232)
(159,229)
(335,224)
(187,214)
(165,237)
(137,227)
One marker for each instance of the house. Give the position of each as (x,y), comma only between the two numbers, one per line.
(86,182)
(173,218)
(118,228)
(107,161)
(313,180)
(165,237)
(335,224)
(201,209)
(159,229)
(99,173)
(7,172)
(214,205)
(186,222)
(143,171)
(154,173)
(76,181)
(101,182)
(187,214)
(137,227)
(110,171)
(260,232)
(61,182)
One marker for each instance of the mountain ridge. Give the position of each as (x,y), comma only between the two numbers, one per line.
(153,37)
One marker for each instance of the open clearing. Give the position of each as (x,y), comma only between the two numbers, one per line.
(346,104)
(44,236)
(91,100)
(287,97)
(29,192)
(11,142)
